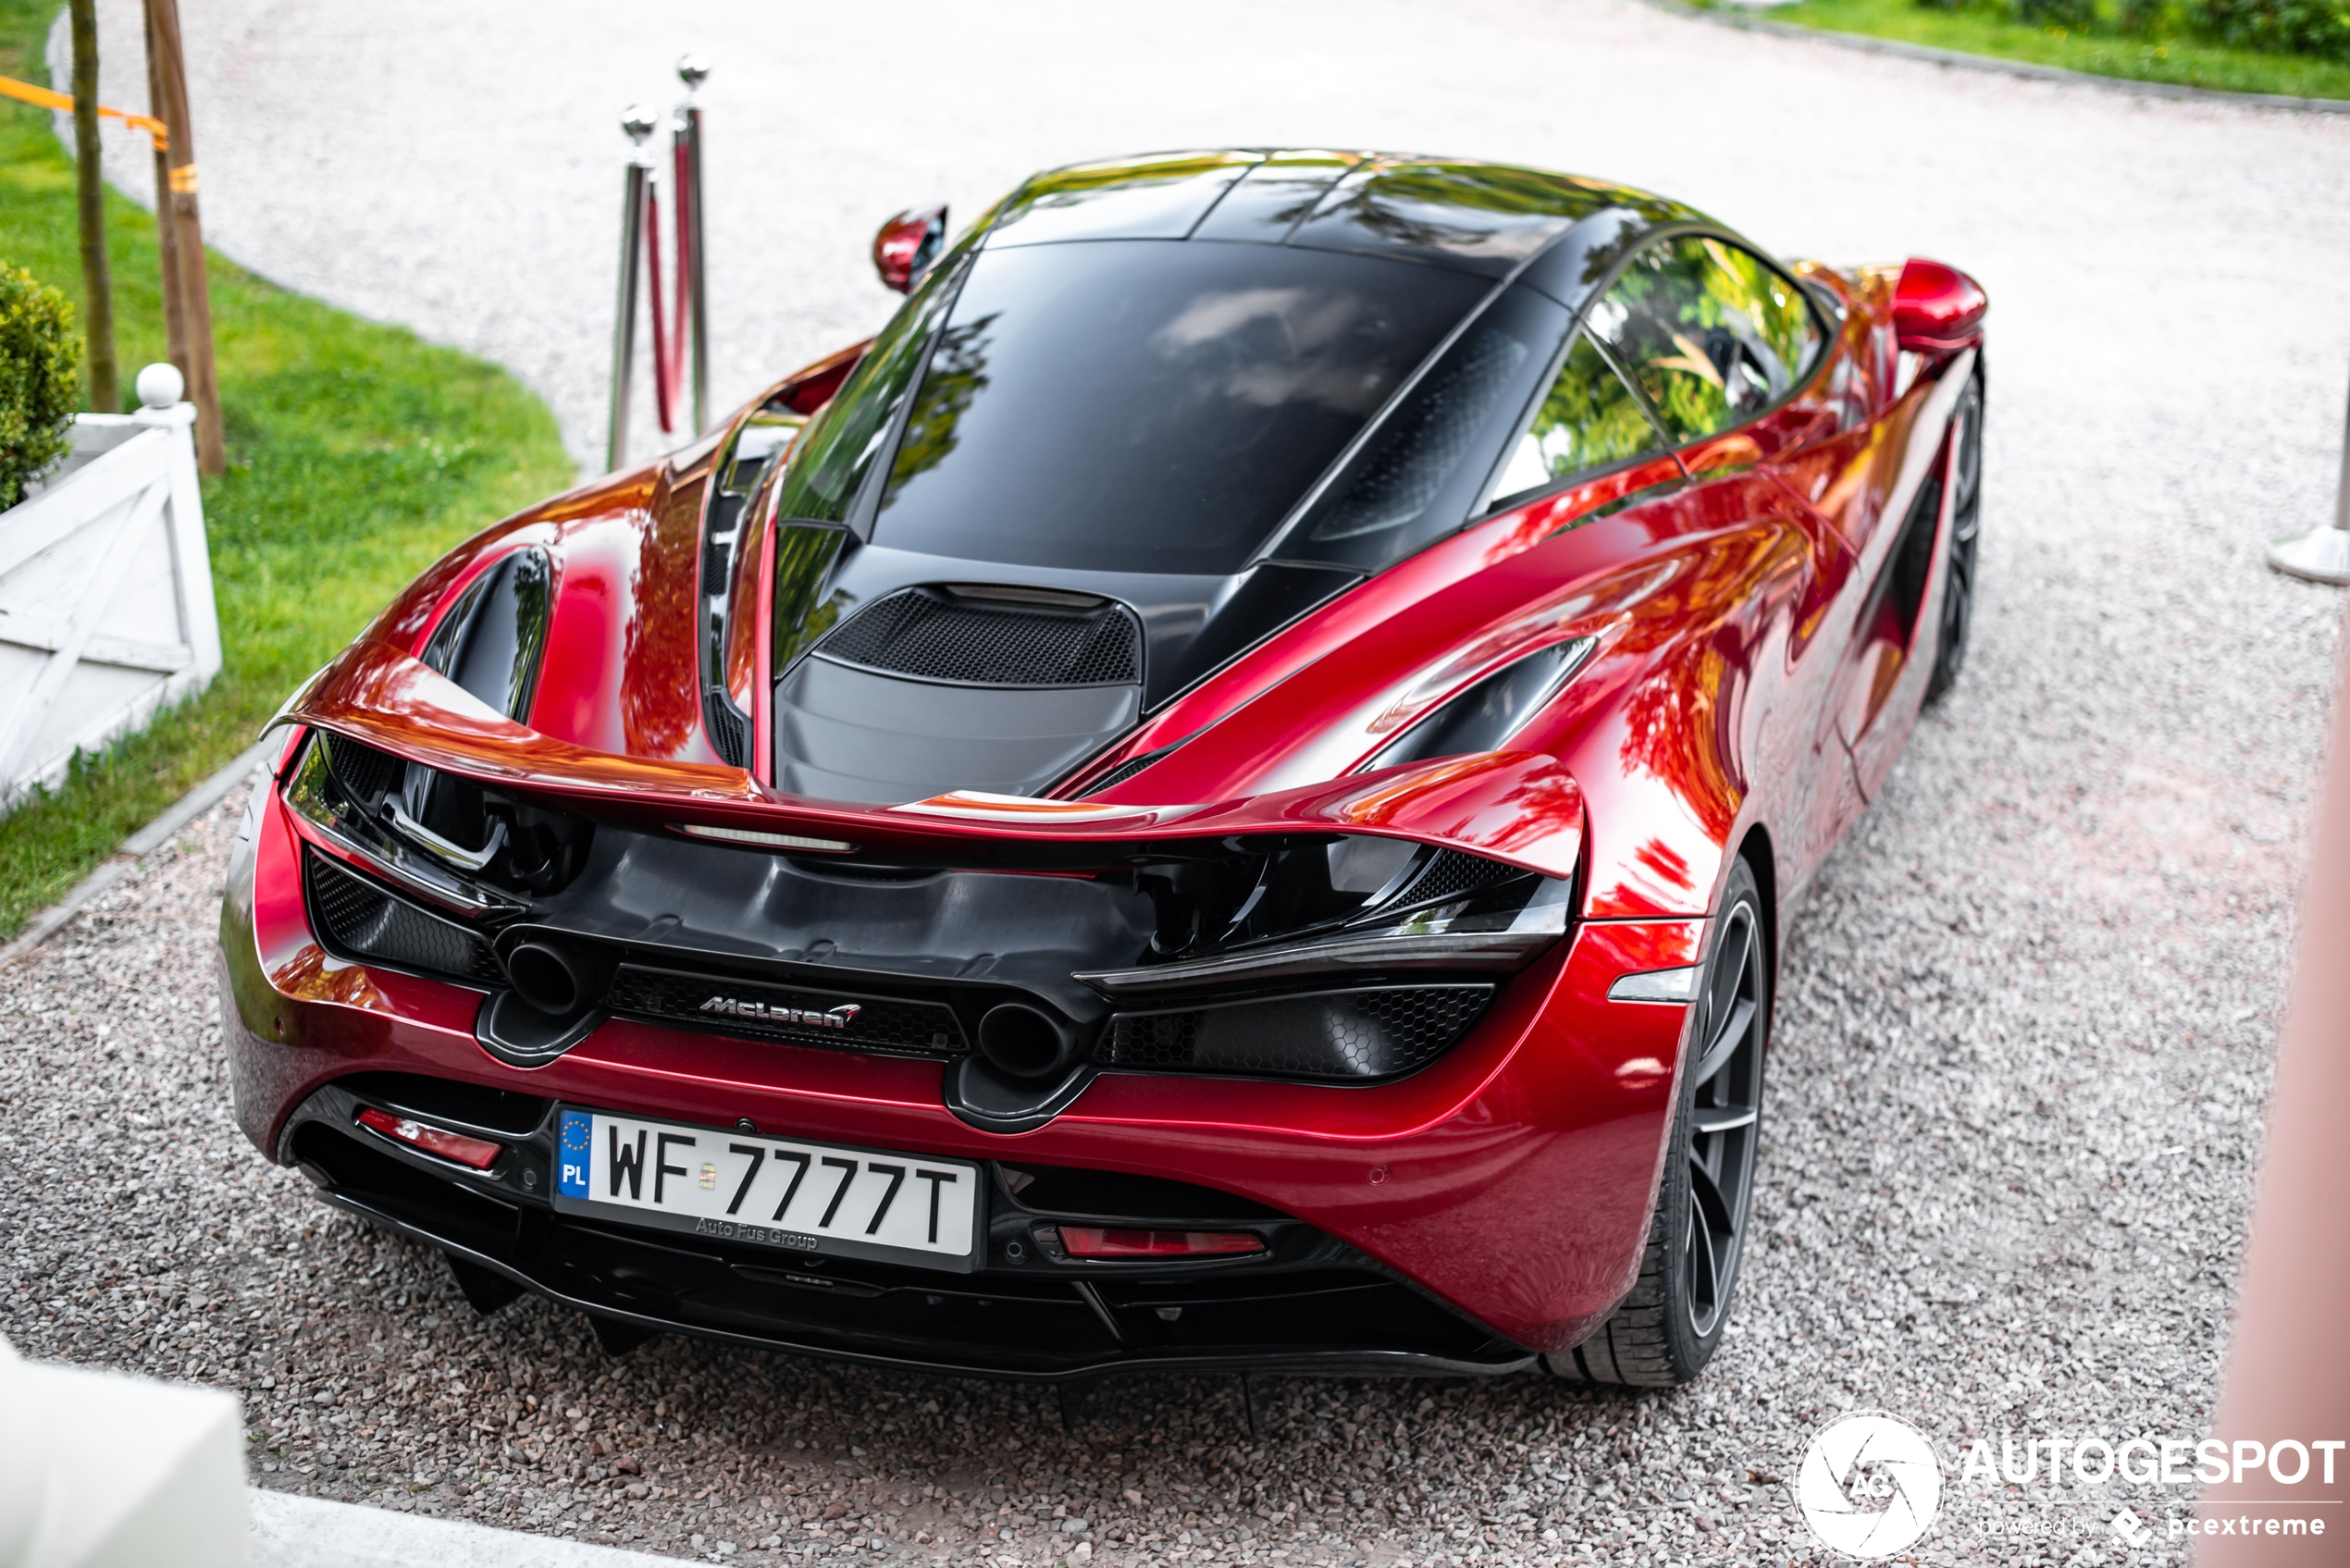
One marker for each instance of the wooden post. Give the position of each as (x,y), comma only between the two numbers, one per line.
(90,192)
(175,319)
(190,324)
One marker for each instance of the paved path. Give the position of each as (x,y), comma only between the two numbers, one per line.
(455,166)
(2025,1025)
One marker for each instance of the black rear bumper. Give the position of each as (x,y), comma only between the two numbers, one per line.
(1310,1304)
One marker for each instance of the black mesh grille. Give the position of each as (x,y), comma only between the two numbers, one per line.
(729,735)
(358,918)
(737,1007)
(921,634)
(1426,440)
(1127,768)
(1343,1035)
(1449,873)
(362,769)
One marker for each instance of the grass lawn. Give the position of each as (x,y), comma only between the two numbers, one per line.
(357,453)
(1976,30)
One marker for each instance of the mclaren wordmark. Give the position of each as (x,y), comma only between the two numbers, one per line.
(832,1018)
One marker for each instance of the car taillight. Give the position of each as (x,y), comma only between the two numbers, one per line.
(1092,1242)
(1293,911)
(475,1152)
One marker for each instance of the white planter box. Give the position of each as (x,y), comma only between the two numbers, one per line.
(105,592)
(101,1471)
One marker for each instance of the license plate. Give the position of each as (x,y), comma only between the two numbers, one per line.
(775,1192)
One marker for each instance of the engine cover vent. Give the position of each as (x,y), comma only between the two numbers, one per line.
(928,689)
(933,635)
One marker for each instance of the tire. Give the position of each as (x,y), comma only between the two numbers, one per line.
(1966,527)
(1670,1326)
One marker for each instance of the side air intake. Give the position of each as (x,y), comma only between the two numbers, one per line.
(362,921)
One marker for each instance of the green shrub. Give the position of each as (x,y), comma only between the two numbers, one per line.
(2320,28)
(2078,16)
(2311,29)
(39,379)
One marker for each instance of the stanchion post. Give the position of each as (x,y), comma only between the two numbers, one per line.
(637,121)
(2341,487)
(693,263)
(2322,555)
(175,315)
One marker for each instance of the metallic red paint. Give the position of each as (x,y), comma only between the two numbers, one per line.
(1537,1136)
(620,674)
(763,692)
(1364,613)
(658,674)
(905,243)
(1729,692)
(1937,309)
(806,390)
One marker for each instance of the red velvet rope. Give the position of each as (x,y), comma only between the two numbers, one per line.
(687,198)
(669,331)
(664,384)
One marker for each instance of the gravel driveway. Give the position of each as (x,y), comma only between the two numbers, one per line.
(2026,1019)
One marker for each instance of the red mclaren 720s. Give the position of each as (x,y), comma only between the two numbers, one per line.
(1224,794)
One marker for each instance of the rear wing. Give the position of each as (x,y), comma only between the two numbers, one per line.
(1519,808)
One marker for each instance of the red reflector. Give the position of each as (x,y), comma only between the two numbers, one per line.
(432,1140)
(1088,1241)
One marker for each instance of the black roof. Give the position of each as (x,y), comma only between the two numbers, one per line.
(1485,218)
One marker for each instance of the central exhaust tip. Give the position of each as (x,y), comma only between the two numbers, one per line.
(558,981)
(1025,1042)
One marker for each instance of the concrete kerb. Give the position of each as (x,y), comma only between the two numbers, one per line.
(301,1532)
(1960,60)
(139,845)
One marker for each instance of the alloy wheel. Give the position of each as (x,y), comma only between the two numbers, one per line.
(1726,1103)
(1966,523)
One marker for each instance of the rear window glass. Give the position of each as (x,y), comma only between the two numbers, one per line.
(1150,406)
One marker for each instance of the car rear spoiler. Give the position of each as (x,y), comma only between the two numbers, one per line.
(1519,808)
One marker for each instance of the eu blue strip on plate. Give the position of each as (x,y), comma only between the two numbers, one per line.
(571,1161)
